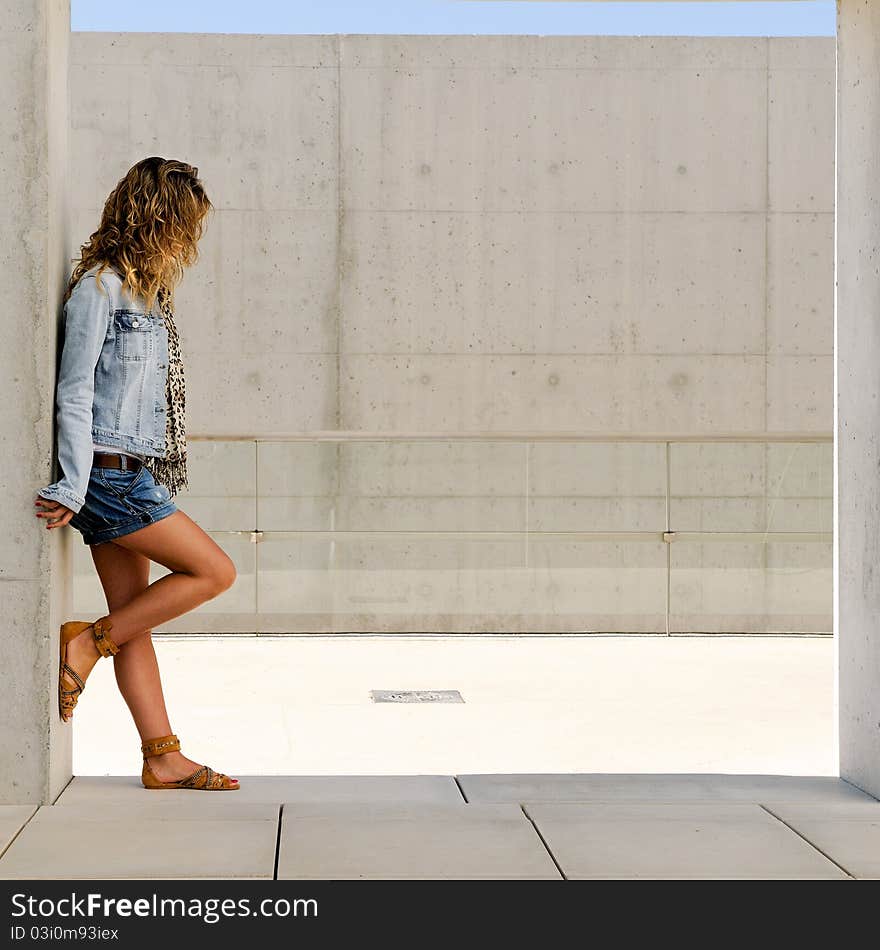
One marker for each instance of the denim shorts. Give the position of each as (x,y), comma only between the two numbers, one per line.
(119,501)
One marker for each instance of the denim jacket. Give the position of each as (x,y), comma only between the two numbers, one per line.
(111,380)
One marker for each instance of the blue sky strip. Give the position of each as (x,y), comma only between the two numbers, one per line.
(544,17)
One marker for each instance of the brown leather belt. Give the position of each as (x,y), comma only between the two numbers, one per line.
(114,460)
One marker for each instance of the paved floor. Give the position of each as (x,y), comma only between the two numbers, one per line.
(494,826)
(543,772)
(302,706)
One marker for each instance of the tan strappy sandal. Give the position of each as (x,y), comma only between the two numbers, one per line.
(68,698)
(203,779)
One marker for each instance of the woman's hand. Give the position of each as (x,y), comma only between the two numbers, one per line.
(57,515)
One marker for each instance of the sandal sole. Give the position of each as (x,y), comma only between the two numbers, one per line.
(187,788)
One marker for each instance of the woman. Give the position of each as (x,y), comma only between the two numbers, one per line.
(122,451)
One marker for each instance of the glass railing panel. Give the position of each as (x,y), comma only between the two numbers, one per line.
(393,486)
(800,486)
(752,544)
(346,533)
(235,610)
(597,586)
(295,583)
(222,485)
(597,486)
(751,486)
(297,485)
(751,587)
(717,486)
(461,535)
(421,583)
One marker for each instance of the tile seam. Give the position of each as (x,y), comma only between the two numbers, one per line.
(805,839)
(543,841)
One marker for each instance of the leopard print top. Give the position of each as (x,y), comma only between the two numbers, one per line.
(170,469)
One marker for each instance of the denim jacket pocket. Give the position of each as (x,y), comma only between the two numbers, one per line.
(134,334)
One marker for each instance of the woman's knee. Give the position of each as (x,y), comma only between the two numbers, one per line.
(222,576)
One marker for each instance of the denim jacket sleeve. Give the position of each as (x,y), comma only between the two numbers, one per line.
(87,316)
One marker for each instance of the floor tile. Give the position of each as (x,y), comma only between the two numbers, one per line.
(849,834)
(144,841)
(410,841)
(655,787)
(271,789)
(12,820)
(677,840)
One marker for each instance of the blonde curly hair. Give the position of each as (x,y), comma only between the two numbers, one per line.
(150,228)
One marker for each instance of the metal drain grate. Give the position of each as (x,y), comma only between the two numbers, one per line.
(416,696)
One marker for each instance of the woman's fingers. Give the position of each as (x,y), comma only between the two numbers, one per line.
(58,513)
(60,522)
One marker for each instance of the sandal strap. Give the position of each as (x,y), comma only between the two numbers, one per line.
(101,635)
(160,745)
(218,779)
(192,780)
(75,677)
(205,777)
(69,697)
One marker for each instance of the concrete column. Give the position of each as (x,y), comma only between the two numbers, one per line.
(857,415)
(35,747)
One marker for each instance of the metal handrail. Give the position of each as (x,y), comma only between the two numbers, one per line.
(357,435)
(331,534)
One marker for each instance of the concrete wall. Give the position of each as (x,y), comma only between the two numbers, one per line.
(485,235)
(858,389)
(35,747)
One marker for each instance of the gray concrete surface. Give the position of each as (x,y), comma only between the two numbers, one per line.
(410,842)
(35,239)
(12,819)
(108,831)
(659,788)
(848,832)
(550,234)
(858,435)
(118,841)
(681,841)
(263,789)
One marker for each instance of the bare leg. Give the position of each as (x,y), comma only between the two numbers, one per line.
(124,575)
(200,571)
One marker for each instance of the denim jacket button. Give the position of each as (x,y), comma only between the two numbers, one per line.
(135,323)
